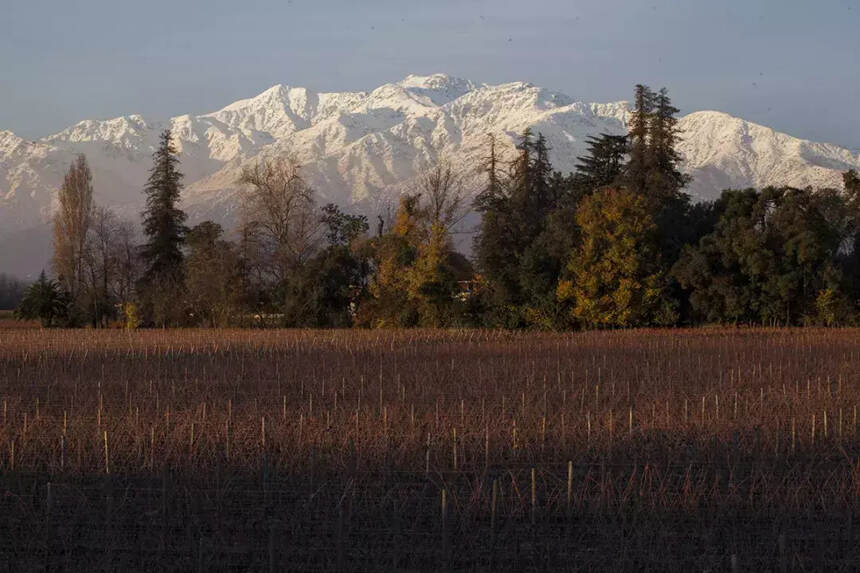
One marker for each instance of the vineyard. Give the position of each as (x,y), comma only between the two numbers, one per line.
(254,450)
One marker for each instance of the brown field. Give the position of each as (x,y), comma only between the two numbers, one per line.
(7,321)
(200,450)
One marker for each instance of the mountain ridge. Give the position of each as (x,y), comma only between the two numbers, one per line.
(362,149)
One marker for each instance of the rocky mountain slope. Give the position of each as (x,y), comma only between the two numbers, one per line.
(362,149)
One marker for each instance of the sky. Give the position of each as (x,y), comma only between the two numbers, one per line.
(793,65)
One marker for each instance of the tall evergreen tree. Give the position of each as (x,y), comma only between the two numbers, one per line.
(665,181)
(493,191)
(531,195)
(163,220)
(520,174)
(635,175)
(164,227)
(545,196)
(496,241)
(514,215)
(603,164)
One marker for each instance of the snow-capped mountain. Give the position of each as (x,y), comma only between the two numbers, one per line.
(362,149)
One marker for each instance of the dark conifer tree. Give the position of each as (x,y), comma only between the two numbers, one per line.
(164,228)
(45,300)
(635,175)
(531,193)
(603,164)
(542,174)
(514,217)
(851,256)
(496,241)
(493,191)
(520,177)
(664,188)
(665,181)
(163,221)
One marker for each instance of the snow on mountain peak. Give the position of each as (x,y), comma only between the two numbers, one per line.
(279,110)
(9,142)
(723,151)
(361,149)
(618,110)
(438,88)
(121,131)
(273,95)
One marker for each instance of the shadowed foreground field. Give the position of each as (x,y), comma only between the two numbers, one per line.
(693,450)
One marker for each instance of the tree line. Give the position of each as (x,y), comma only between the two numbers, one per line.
(11,291)
(616,243)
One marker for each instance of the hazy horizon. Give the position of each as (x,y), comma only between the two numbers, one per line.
(788,65)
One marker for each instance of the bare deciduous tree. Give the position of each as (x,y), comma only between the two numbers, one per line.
(129,267)
(442,191)
(101,264)
(279,227)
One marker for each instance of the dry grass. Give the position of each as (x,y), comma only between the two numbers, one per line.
(7,321)
(309,450)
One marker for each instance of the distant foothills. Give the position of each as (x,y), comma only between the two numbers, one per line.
(618,242)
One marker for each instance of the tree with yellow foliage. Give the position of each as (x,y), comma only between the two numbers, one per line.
(613,277)
(415,279)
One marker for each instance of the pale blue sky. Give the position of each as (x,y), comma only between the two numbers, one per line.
(790,64)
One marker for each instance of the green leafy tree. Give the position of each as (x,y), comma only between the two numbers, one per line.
(324,291)
(342,228)
(212,276)
(542,263)
(774,257)
(44,300)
